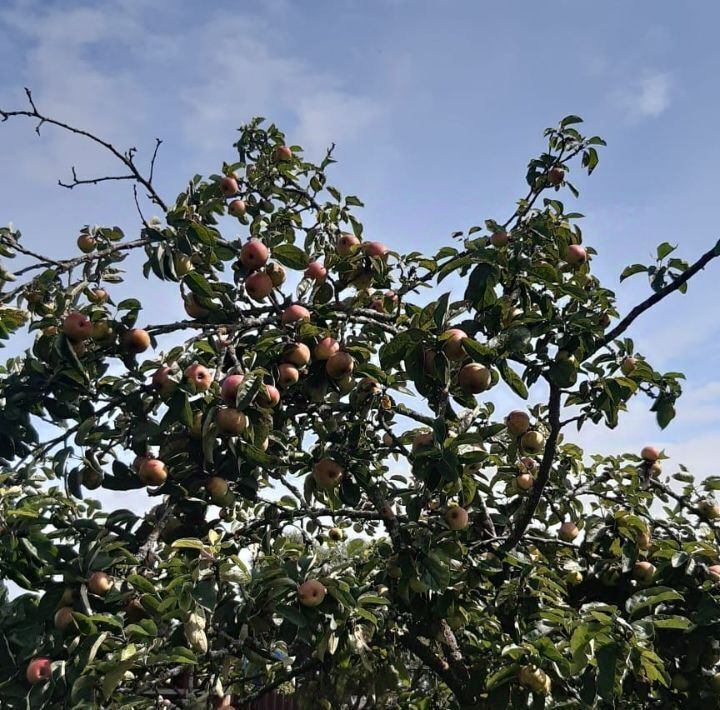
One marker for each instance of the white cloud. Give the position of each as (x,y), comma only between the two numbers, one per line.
(647,97)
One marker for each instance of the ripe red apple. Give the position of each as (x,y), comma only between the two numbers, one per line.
(288,374)
(524,481)
(136,341)
(453,345)
(474,378)
(38,670)
(276,272)
(340,365)
(375,249)
(99,583)
(162,382)
(230,421)
(294,314)
(575,255)
(193,308)
(297,354)
(714,572)
(327,473)
(64,618)
(628,365)
(77,326)
(517,422)
(217,488)
(643,572)
(230,386)
(335,534)
(316,272)
(254,254)
(258,285)
(268,396)
(532,442)
(229,186)
(237,208)
(346,244)
(326,348)
(311,593)
(650,453)
(199,377)
(556,175)
(568,531)
(528,464)
(499,239)
(152,472)
(283,154)
(456,518)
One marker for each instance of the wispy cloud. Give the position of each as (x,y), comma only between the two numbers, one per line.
(646,97)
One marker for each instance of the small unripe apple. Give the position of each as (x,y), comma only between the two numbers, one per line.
(276,272)
(230,386)
(91,479)
(650,453)
(101,331)
(193,308)
(258,285)
(555,175)
(38,671)
(311,593)
(453,345)
(345,384)
(568,531)
(268,396)
(643,540)
(98,296)
(346,243)
(217,488)
(574,578)
(136,341)
(709,510)
(535,679)
(183,264)
(162,382)
(237,208)
(316,272)
(63,619)
(326,348)
(532,442)
(229,186)
(340,365)
(714,572)
(230,421)
(517,422)
(456,518)
(297,354)
(199,377)
(628,366)
(254,254)
(387,439)
(524,481)
(327,473)
(335,534)
(422,440)
(474,378)
(575,255)
(288,374)
(152,472)
(527,464)
(499,239)
(77,326)
(643,572)
(282,154)
(655,469)
(99,583)
(86,243)
(294,314)
(604,320)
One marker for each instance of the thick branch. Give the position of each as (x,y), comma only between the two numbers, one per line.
(527,512)
(649,302)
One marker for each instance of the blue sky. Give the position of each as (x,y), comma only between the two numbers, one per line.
(435,107)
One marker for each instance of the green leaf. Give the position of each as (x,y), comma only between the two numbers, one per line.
(606,658)
(293,615)
(189,543)
(646,598)
(629,271)
(203,234)
(512,379)
(291,256)
(198,284)
(664,250)
(112,677)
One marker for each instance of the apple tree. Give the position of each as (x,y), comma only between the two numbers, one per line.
(338,513)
